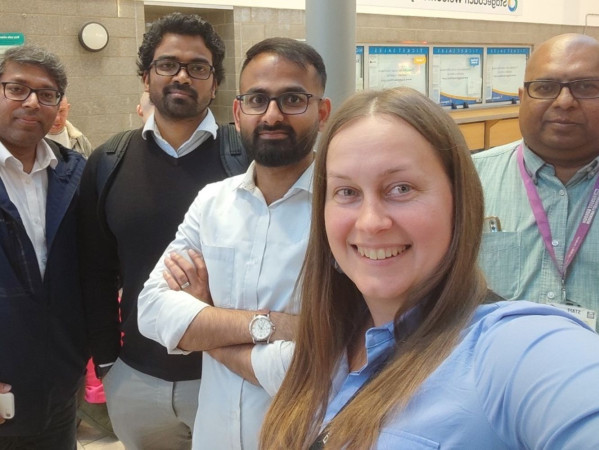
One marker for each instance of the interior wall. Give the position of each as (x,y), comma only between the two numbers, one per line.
(104,88)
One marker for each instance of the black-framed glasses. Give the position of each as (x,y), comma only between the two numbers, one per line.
(289,103)
(170,68)
(550,89)
(21,92)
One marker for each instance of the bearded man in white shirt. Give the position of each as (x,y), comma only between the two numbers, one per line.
(252,231)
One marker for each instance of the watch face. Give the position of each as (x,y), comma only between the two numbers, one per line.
(261,328)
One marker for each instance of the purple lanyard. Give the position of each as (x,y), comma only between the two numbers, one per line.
(543,222)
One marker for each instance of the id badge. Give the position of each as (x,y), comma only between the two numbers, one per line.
(588,316)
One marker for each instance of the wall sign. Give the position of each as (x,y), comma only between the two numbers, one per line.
(392,66)
(505,73)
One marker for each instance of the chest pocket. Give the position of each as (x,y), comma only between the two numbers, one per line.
(393,440)
(220,263)
(500,259)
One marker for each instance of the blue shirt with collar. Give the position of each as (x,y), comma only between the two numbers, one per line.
(523,375)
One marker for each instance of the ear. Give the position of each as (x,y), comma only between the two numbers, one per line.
(214,87)
(324,111)
(236,113)
(146,80)
(520,93)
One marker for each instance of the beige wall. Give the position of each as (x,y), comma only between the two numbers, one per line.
(254,24)
(104,88)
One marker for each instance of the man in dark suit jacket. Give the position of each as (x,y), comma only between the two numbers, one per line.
(43,347)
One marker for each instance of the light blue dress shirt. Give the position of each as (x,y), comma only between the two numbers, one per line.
(524,376)
(253,253)
(515,260)
(207,128)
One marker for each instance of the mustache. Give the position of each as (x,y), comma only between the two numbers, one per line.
(181,88)
(277,127)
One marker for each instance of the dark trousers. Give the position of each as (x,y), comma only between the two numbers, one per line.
(60,434)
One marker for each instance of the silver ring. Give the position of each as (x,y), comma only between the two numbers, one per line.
(185,285)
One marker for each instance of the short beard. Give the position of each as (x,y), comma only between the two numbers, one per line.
(179,109)
(280,152)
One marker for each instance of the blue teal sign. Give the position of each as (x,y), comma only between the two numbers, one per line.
(11,39)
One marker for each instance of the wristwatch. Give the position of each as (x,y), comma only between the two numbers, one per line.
(262,328)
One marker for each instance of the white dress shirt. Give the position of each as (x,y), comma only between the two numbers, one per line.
(208,127)
(253,253)
(28,192)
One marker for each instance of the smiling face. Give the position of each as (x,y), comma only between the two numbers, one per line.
(23,124)
(562,131)
(388,209)
(180,96)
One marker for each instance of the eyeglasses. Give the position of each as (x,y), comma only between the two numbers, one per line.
(21,92)
(170,68)
(289,103)
(549,89)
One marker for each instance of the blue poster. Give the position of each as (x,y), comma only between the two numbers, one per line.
(393,66)
(457,75)
(505,72)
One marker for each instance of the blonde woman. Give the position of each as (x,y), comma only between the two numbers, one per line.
(401,345)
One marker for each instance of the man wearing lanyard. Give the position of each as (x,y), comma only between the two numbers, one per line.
(542,193)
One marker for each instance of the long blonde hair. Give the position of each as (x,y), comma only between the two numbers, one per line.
(333,308)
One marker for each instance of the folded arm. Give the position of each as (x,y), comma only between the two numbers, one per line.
(263,364)
(184,323)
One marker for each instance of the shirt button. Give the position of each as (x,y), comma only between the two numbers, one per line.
(562,192)
(555,242)
(550,295)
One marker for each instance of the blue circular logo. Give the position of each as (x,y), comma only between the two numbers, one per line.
(512,5)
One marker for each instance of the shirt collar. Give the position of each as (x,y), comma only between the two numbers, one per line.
(207,125)
(44,157)
(303,183)
(534,163)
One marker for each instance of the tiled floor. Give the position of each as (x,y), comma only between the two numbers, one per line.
(91,439)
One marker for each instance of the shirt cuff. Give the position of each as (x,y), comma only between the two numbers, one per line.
(270,363)
(176,314)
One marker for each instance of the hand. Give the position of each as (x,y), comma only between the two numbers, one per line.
(4,388)
(192,277)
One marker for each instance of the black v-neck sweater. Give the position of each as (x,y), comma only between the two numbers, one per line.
(146,202)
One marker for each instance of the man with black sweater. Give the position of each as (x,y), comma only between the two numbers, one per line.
(135,191)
